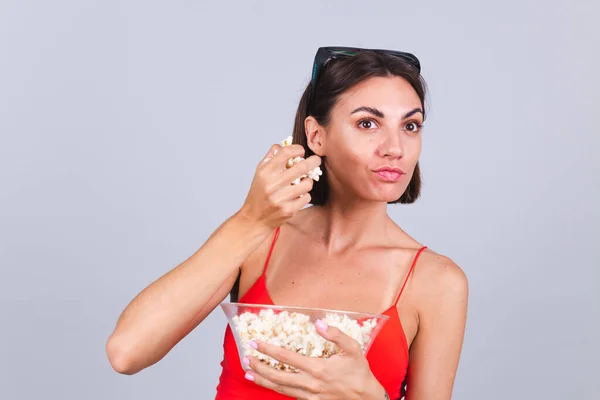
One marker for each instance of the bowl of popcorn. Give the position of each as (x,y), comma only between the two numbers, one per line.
(293,328)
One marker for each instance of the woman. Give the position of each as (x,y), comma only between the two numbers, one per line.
(360,119)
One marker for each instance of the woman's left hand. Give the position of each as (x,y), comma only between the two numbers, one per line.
(345,375)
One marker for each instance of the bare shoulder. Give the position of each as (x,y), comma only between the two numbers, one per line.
(294,226)
(303,222)
(253,265)
(439,276)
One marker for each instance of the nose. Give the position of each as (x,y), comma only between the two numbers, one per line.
(391,145)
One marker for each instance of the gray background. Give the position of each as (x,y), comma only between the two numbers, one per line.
(130,130)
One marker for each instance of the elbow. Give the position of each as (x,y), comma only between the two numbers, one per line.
(119,357)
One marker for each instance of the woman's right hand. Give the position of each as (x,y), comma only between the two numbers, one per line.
(272,199)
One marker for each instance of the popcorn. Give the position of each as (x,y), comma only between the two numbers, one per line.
(296,332)
(313,174)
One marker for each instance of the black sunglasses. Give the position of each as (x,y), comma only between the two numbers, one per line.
(326,54)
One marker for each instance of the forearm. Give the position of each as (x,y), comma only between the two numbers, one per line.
(173,305)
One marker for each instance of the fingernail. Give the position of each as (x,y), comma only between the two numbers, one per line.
(246,361)
(249,376)
(253,345)
(322,326)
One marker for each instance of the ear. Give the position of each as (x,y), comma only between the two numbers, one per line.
(315,136)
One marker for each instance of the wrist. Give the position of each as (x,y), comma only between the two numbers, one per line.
(373,390)
(242,220)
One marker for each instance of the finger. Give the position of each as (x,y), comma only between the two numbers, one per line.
(343,341)
(270,154)
(301,202)
(284,154)
(279,377)
(298,195)
(293,392)
(301,168)
(292,192)
(286,356)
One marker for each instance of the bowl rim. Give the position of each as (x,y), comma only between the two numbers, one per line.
(284,308)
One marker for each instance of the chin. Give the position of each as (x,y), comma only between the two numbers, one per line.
(387,196)
(376,191)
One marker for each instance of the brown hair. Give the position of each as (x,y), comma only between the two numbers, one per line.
(338,76)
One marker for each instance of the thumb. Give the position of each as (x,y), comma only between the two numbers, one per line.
(343,341)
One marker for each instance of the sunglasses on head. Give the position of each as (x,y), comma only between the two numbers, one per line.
(326,54)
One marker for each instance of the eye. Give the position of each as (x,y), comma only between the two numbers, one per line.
(367,123)
(413,126)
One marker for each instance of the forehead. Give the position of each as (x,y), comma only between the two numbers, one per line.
(391,95)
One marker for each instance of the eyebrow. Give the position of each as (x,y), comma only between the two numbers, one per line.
(379,114)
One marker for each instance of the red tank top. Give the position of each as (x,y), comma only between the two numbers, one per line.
(387,357)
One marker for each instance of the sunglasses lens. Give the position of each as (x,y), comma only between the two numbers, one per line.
(344,52)
(322,58)
(409,58)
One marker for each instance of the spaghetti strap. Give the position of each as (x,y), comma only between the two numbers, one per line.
(412,267)
(271,250)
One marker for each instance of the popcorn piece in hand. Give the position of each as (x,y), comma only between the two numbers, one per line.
(313,174)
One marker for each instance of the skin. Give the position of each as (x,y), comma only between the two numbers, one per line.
(334,256)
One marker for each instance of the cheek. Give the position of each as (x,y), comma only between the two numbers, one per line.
(413,151)
(357,156)
(351,147)
(350,165)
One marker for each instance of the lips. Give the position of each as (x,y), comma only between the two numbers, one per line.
(389,174)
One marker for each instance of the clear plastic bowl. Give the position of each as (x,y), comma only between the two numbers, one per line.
(237,318)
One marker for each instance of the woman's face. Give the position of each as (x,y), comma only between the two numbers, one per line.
(373,140)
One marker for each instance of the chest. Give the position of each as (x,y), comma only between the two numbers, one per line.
(364,281)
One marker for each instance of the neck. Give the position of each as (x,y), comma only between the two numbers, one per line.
(352,224)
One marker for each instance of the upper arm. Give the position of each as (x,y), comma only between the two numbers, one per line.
(250,269)
(435,351)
